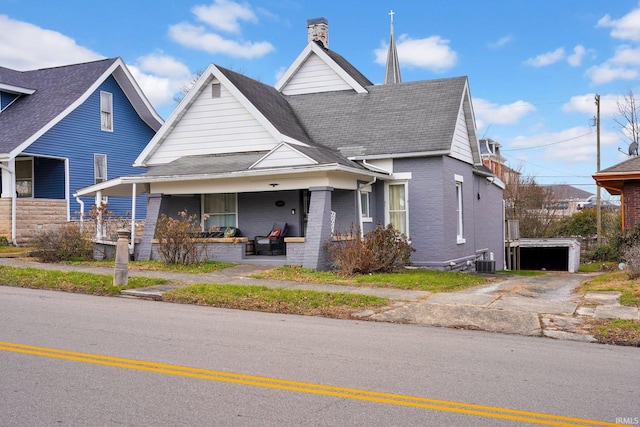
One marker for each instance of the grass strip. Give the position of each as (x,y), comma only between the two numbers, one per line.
(70,281)
(423,280)
(616,331)
(275,300)
(197,268)
(615,281)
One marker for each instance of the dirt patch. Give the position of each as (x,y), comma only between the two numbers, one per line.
(614,331)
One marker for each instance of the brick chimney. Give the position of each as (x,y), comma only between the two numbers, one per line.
(318,30)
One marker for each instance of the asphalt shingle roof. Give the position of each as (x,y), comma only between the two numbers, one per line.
(271,104)
(628,166)
(390,119)
(207,164)
(55,90)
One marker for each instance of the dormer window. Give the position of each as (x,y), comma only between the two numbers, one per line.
(106,111)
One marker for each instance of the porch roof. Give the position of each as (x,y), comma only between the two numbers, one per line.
(613,178)
(192,169)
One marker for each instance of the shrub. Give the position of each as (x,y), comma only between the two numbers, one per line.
(606,252)
(177,242)
(65,243)
(383,250)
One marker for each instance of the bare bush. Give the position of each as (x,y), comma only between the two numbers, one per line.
(68,242)
(177,241)
(382,250)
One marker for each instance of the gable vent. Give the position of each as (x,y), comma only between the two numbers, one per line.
(215,90)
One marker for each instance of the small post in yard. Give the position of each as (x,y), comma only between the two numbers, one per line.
(121,274)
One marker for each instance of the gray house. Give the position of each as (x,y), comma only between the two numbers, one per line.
(324,151)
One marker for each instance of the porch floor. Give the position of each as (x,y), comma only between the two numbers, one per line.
(272,260)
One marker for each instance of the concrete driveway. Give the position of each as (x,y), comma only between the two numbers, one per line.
(525,305)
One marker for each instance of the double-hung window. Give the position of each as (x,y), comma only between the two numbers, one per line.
(365,205)
(397,207)
(106,111)
(24,177)
(99,168)
(459,210)
(220,210)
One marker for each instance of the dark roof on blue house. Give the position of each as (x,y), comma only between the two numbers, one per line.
(56,90)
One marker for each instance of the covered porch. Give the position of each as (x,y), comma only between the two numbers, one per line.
(312,202)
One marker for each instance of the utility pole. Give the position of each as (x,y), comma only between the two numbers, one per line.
(598,200)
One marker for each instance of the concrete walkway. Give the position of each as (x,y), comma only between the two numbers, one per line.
(544,305)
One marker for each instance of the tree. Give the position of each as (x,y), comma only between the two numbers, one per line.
(533,205)
(628,121)
(186,87)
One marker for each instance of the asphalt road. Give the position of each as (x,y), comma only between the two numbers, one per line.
(80,360)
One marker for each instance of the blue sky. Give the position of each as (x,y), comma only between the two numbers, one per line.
(534,67)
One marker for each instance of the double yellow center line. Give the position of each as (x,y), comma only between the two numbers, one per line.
(303,387)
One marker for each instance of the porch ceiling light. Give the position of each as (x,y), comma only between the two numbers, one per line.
(274,184)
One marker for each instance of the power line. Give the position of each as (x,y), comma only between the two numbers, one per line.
(547,145)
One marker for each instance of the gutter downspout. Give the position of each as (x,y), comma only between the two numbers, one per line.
(360,187)
(375,169)
(14,208)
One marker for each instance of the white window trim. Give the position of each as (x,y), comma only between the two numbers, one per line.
(25,159)
(203,213)
(366,191)
(95,170)
(459,179)
(387,217)
(109,110)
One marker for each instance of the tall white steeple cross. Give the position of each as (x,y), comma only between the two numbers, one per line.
(391,15)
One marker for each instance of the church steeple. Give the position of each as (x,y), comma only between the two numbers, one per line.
(392,74)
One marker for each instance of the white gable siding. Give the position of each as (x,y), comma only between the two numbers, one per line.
(212,126)
(461,146)
(284,156)
(314,76)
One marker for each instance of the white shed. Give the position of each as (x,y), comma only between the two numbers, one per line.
(557,254)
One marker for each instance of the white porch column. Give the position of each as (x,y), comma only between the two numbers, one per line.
(8,178)
(99,218)
(133,217)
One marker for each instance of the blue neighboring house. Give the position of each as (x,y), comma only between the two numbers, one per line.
(64,128)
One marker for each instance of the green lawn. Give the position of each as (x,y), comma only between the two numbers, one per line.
(69,281)
(418,279)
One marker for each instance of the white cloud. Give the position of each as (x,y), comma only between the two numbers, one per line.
(579,52)
(626,55)
(570,145)
(225,15)
(500,43)
(24,46)
(197,37)
(546,58)
(606,73)
(160,77)
(222,15)
(489,113)
(586,104)
(626,28)
(163,65)
(432,53)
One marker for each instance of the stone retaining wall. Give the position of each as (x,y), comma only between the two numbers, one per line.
(34,216)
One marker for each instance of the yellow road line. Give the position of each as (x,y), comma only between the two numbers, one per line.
(319,389)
